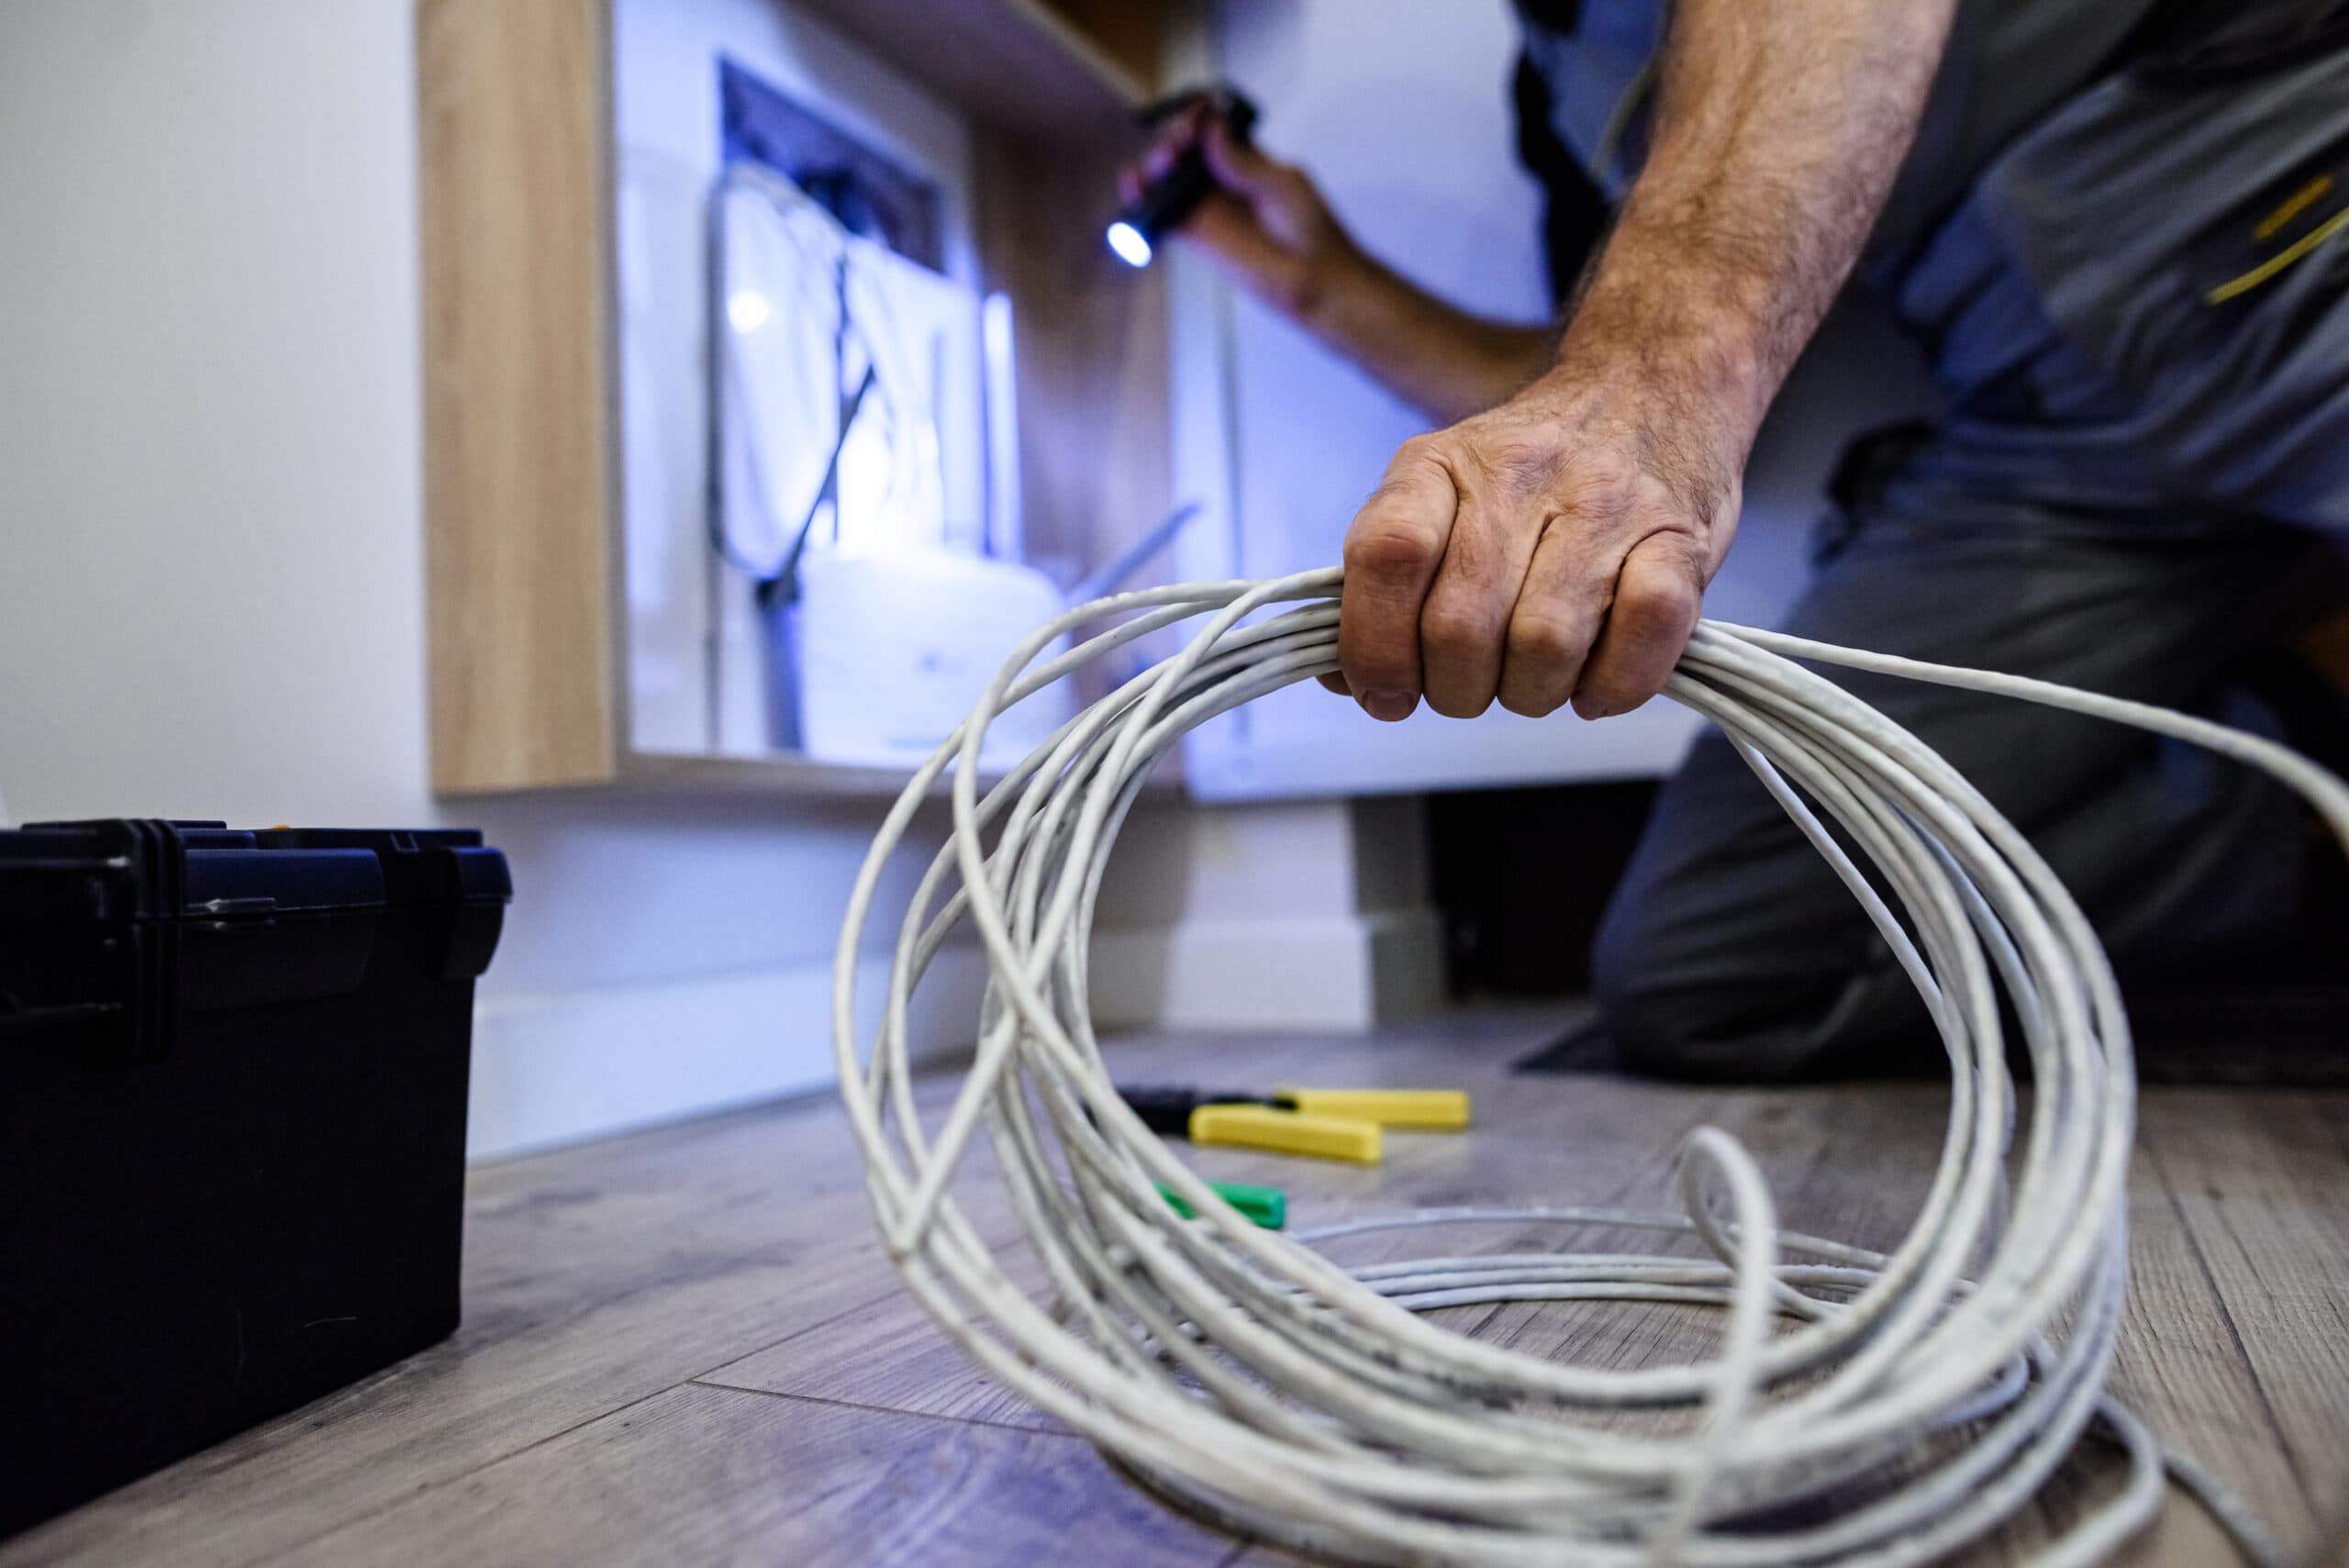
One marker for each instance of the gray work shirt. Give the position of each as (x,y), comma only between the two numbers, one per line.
(2084,237)
(2009,62)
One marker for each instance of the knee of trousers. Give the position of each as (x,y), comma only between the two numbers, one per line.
(1663,1022)
(1679,1005)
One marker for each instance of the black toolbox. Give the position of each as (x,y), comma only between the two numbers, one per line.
(232,1128)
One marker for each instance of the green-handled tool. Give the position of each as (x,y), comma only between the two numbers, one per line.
(1266,1207)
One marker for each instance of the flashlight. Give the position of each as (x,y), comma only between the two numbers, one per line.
(1175,195)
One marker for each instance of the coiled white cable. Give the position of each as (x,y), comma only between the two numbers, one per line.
(1920,1398)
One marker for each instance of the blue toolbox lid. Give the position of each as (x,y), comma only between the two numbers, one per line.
(116,927)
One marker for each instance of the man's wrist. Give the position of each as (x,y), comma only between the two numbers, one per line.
(1692,326)
(1336,290)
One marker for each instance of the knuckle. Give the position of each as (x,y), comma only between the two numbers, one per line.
(1387,546)
(1543,640)
(1658,600)
(1654,598)
(1449,629)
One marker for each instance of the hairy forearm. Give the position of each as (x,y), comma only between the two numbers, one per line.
(1556,548)
(1780,129)
(1441,359)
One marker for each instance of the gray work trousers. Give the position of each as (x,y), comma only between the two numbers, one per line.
(2134,473)
(1731,950)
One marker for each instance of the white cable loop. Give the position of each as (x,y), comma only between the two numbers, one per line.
(1918,1399)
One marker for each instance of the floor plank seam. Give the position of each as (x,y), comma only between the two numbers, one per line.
(706,1374)
(291,1548)
(887,1410)
(799,1333)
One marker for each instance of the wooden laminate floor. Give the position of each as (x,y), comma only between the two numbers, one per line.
(685,1347)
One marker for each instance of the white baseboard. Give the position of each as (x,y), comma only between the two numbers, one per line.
(1333,972)
(557,1068)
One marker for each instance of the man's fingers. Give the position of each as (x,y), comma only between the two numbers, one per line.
(1556,617)
(1466,618)
(1536,553)
(1658,596)
(1392,551)
(1335,681)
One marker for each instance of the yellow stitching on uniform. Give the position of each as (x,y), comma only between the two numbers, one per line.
(2281,260)
(2294,205)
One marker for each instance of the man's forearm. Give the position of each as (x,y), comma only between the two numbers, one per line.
(1557,547)
(1778,131)
(1439,358)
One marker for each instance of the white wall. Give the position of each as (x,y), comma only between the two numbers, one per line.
(211,557)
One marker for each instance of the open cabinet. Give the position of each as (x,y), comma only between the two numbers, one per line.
(569,151)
